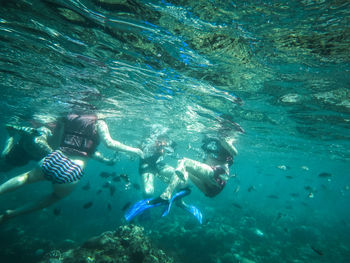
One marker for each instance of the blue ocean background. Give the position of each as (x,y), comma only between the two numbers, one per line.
(280,69)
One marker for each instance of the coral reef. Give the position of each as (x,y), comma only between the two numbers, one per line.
(127,244)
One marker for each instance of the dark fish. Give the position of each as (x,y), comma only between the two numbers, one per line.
(236,190)
(279,216)
(237,205)
(136,186)
(109,207)
(125,177)
(99,191)
(126,206)
(316,250)
(251,188)
(116,179)
(112,190)
(289,177)
(87,205)
(325,175)
(57,211)
(294,195)
(273,196)
(86,187)
(308,188)
(106,175)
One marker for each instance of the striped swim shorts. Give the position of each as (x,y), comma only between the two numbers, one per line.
(59,169)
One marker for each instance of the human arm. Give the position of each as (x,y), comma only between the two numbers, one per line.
(22,130)
(227,143)
(41,140)
(103,131)
(8,146)
(101,158)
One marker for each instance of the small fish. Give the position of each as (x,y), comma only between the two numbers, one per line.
(106,175)
(311,195)
(87,205)
(318,251)
(325,175)
(273,196)
(125,177)
(305,168)
(116,179)
(57,211)
(99,191)
(136,186)
(279,216)
(283,167)
(294,195)
(251,188)
(308,188)
(237,205)
(112,190)
(236,190)
(289,177)
(126,206)
(109,207)
(86,187)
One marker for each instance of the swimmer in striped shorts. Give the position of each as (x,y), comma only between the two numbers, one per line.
(80,136)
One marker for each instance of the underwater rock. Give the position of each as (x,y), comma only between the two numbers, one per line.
(291,98)
(335,97)
(127,244)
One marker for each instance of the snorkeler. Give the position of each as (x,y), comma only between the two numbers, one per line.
(210,175)
(155,148)
(26,144)
(23,145)
(80,136)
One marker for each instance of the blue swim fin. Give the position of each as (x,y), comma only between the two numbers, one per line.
(140,207)
(182,193)
(194,211)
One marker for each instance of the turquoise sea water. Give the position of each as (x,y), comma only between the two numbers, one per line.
(182,64)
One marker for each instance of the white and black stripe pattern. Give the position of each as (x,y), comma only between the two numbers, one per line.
(59,169)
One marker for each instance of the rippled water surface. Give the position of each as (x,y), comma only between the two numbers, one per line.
(280,69)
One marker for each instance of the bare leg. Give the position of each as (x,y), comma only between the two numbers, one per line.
(199,173)
(32,176)
(166,173)
(59,191)
(148,184)
(179,179)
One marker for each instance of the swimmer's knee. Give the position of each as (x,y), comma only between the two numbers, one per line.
(149,190)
